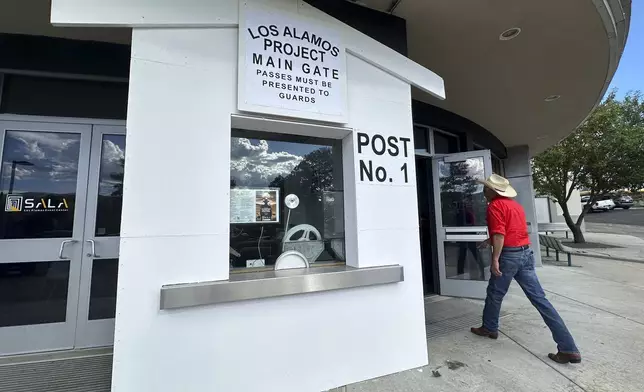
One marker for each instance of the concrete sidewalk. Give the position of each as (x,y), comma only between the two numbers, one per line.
(601,301)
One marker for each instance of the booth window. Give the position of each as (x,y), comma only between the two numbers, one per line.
(286,196)
(445,143)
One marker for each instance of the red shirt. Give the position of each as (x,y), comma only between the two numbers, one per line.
(506,216)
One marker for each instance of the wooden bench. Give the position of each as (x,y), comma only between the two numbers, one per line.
(553,243)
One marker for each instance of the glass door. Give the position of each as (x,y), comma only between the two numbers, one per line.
(461,223)
(97,305)
(43,184)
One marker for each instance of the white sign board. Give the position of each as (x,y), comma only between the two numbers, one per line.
(291,65)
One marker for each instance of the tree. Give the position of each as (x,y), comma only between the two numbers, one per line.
(604,154)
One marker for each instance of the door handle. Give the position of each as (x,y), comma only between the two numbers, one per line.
(93,244)
(62,248)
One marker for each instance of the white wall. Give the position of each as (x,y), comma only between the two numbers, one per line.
(542,209)
(183,89)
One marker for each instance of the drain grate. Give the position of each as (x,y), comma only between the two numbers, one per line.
(448,315)
(78,374)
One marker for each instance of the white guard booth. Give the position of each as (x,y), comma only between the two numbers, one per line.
(198,69)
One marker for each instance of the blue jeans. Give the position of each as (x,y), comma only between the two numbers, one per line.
(520,266)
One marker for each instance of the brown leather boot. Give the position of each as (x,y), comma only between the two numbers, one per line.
(565,357)
(482,331)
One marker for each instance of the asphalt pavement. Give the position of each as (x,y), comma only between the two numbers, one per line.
(633,216)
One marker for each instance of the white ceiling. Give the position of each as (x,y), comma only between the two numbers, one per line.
(563,49)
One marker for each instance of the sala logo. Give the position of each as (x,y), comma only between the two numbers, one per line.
(21,204)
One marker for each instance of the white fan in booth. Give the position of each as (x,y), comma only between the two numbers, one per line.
(290,258)
(304,239)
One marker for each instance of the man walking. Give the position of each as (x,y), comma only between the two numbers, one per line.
(513,258)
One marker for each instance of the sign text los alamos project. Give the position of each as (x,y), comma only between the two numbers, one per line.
(313,78)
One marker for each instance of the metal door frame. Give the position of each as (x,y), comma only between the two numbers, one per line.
(95,333)
(53,336)
(455,287)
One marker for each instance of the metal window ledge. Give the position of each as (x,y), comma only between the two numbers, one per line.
(269,284)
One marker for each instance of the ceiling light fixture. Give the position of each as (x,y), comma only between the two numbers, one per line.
(552,98)
(510,34)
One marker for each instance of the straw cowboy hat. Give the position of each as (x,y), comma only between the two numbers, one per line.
(500,185)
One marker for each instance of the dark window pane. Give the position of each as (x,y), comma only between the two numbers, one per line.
(420,138)
(110,187)
(307,167)
(464,261)
(102,298)
(497,166)
(462,200)
(445,144)
(38,184)
(33,293)
(59,97)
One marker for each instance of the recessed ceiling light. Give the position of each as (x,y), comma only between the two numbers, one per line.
(552,98)
(510,33)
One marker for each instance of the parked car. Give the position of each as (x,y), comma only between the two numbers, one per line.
(584,199)
(623,201)
(603,204)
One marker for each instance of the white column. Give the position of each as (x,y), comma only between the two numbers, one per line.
(519,172)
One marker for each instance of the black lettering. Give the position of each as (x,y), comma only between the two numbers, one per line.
(335,51)
(405,140)
(295,34)
(381,174)
(305,36)
(336,74)
(373,144)
(267,43)
(277,46)
(326,45)
(393,146)
(305,53)
(287,32)
(312,100)
(288,49)
(363,140)
(366,171)
(253,36)
(270,62)
(257,59)
(263,31)
(306,68)
(315,40)
(274,30)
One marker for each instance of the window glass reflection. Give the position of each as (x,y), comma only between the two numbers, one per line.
(38,184)
(462,200)
(110,187)
(420,138)
(279,166)
(33,293)
(464,261)
(102,297)
(444,143)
